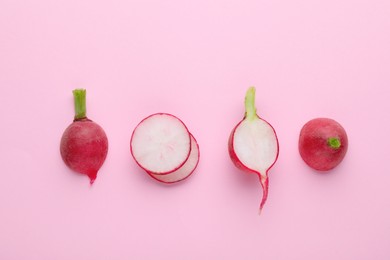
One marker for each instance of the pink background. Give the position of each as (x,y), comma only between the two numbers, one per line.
(194,59)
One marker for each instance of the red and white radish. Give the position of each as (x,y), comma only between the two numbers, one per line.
(323,143)
(162,145)
(184,171)
(253,145)
(84,143)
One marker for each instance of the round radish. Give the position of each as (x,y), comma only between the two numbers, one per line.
(323,143)
(84,143)
(253,145)
(184,171)
(160,144)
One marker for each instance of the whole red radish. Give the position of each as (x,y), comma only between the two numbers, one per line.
(323,143)
(84,143)
(253,144)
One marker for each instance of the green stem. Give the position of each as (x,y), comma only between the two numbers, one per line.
(334,142)
(80,104)
(250,108)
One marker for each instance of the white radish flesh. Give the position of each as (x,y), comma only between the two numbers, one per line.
(184,171)
(255,144)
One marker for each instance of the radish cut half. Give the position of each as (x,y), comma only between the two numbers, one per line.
(253,145)
(160,144)
(183,172)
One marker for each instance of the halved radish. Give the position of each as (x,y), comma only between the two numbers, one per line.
(183,172)
(253,145)
(160,144)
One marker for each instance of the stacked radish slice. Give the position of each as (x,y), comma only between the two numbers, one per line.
(162,145)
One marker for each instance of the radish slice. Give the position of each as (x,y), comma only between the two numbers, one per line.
(253,145)
(160,144)
(183,172)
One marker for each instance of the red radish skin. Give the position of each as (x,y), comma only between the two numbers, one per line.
(148,133)
(323,143)
(183,172)
(84,143)
(258,151)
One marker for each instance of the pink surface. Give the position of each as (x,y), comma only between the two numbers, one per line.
(194,59)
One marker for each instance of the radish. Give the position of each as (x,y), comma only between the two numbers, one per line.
(323,143)
(253,144)
(84,143)
(183,172)
(162,146)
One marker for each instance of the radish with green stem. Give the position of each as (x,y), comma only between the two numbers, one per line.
(253,145)
(84,143)
(323,143)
